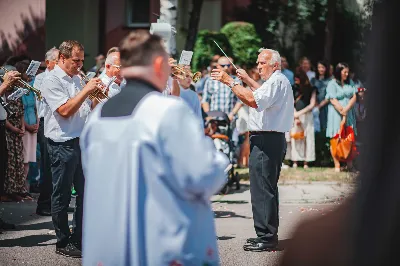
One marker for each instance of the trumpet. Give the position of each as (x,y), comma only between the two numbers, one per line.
(22,84)
(99,93)
(181,73)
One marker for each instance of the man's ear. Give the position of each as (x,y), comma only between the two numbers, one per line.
(158,64)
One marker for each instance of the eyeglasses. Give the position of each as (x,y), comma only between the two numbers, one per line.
(227,65)
(117,66)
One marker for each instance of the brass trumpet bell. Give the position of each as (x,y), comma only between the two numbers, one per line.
(182,73)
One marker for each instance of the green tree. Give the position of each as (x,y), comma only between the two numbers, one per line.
(244,40)
(205,48)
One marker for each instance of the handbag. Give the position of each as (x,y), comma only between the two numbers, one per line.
(343,143)
(297,132)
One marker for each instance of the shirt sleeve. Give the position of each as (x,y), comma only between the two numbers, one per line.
(54,93)
(331,90)
(267,94)
(196,167)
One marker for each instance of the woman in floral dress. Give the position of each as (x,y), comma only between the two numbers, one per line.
(15,181)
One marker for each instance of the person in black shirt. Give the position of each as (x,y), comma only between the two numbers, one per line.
(302,143)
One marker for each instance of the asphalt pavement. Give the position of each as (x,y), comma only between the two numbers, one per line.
(33,242)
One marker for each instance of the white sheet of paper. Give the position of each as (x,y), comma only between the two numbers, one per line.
(33,68)
(186,58)
(17,94)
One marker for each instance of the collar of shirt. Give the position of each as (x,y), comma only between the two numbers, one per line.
(59,72)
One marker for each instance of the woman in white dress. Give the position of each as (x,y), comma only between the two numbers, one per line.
(302,149)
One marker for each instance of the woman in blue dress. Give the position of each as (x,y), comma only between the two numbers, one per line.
(341,93)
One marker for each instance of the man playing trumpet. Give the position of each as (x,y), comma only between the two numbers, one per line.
(67,107)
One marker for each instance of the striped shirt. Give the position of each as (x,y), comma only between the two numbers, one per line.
(219,96)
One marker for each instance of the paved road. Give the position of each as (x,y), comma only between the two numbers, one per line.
(33,242)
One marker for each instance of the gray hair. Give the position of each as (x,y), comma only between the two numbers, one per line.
(275,56)
(52,54)
(111,58)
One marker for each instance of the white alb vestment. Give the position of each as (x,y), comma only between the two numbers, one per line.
(149,179)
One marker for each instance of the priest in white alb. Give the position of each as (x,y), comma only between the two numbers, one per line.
(150,171)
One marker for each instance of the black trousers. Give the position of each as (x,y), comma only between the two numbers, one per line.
(3,156)
(66,169)
(46,184)
(267,152)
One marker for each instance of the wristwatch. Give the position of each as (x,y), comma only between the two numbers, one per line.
(233,84)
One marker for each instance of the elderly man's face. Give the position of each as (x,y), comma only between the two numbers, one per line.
(265,69)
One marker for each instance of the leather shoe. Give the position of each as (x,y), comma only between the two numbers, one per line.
(43,212)
(253,240)
(262,246)
(259,240)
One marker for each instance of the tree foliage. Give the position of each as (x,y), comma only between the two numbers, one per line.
(296,28)
(205,48)
(244,40)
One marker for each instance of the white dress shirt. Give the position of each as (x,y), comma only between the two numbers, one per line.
(38,85)
(161,198)
(123,82)
(275,111)
(57,89)
(114,89)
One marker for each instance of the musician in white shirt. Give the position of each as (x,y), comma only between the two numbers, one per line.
(270,116)
(67,108)
(113,69)
(46,185)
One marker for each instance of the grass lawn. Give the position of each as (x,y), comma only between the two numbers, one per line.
(311,174)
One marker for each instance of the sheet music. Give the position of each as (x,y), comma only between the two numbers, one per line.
(33,68)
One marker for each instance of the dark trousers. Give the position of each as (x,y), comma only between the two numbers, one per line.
(3,156)
(66,169)
(46,184)
(267,152)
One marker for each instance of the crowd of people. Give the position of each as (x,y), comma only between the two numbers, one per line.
(262,103)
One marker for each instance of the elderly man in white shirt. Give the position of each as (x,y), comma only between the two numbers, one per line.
(113,69)
(67,107)
(46,185)
(270,116)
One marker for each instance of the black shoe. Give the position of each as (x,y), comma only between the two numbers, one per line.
(43,212)
(69,251)
(262,246)
(256,240)
(253,240)
(6,226)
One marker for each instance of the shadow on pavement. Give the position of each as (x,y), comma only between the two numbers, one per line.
(27,241)
(282,244)
(229,214)
(38,226)
(225,237)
